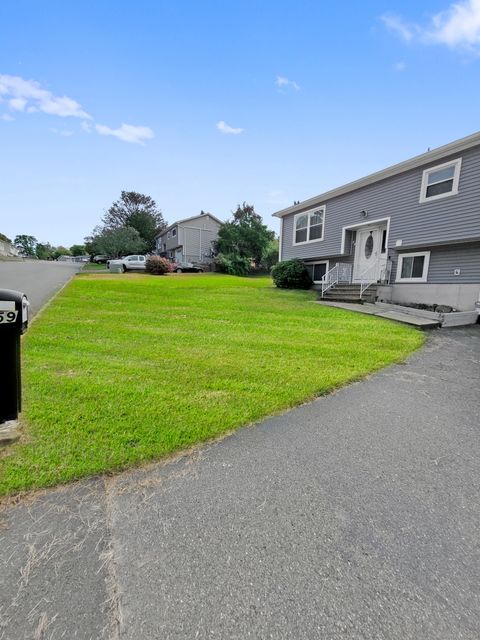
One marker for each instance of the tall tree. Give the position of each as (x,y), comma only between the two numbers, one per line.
(117,242)
(138,211)
(245,236)
(78,250)
(26,244)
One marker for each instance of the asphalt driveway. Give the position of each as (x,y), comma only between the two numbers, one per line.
(38,279)
(355,516)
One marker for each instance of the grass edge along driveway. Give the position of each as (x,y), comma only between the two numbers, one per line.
(124,369)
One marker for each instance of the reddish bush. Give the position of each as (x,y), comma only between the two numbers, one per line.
(158,266)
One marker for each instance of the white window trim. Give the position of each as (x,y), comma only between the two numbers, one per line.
(174,233)
(308,212)
(426,264)
(457,163)
(325,262)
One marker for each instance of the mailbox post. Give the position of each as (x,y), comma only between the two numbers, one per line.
(13,322)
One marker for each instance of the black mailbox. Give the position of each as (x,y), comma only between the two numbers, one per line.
(13,322)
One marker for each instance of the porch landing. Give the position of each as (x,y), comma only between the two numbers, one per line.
(381,312)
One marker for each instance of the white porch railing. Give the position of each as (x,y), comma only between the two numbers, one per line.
(341,272)
(368,277)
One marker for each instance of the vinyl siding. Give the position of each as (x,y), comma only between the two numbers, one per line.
(443,261)
(452,218)
(195,237)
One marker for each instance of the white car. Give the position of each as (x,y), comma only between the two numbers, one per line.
(129,263)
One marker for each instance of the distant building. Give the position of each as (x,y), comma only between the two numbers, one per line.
(190,239)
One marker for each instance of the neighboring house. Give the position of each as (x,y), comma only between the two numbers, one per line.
(407,234)
(190,240)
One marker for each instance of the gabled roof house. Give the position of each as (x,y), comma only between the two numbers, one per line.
(407,234)
(190,239)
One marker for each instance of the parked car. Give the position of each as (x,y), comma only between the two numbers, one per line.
(129,263)
(187,267)
(100,259)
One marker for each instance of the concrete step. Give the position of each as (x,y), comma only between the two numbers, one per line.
(342,298)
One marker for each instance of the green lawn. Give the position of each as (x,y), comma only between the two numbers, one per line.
(121,369)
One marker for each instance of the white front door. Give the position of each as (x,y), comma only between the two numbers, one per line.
(370,254)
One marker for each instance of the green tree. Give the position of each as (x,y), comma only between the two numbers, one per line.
(78,250)
(244,238)
(26,244)
(44,251)
(270,255)
(117,242)
(138,211)
(61,251)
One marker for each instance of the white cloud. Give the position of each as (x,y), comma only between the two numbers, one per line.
(86,126)
(62,132)
(457,27)
(226,128)
(400,66)
(127,133)
(17,104)
(7,117)
(29,95)
(285,83)
(398,26)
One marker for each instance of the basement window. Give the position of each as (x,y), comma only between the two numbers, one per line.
(440,181)
(317,270)
(413,267)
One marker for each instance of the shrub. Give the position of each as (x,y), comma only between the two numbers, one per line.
(235,265)
(291,274)
(158,266)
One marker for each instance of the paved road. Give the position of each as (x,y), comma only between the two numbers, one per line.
(352,517)
(38,279)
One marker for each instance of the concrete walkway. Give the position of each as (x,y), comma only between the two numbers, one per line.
(355,516)
(390,314)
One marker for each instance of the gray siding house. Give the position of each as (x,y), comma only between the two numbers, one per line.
(190,240)
(407,234)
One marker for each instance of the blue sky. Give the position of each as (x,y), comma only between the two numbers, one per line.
(220,102)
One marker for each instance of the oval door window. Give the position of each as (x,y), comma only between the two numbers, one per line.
(369,246)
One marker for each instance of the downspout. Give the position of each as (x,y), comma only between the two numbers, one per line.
(280,241)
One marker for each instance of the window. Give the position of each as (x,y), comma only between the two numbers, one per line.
(168,234)
(384,241)
(308,226)
(317,270)
(174,233)
(440,181)
(413,267)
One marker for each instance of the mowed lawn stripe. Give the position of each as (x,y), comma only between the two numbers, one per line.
(123,369)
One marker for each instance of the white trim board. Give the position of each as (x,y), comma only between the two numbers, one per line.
(452,148)
(370,223)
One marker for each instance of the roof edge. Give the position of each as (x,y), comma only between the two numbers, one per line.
(412,163)
(200,215)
